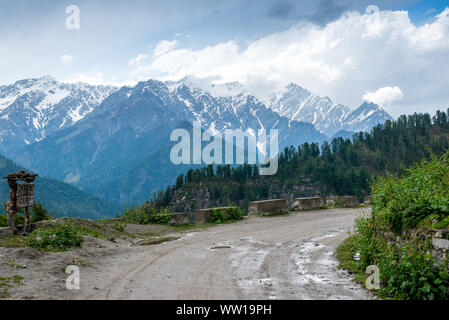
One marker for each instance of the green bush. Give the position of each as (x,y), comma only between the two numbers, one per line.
(226,214)
(59,237)
(120,226)
(147,215)
(422,192)
(39,213)
(388,237)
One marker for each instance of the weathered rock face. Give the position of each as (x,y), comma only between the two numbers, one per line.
(267,207)
(188,199)
(440,244)
(307,203)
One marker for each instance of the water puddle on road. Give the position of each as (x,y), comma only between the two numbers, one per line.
(316,272)
(305,269)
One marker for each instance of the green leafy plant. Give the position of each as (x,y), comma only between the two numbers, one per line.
(120,226)
(147,214)
(58,237)
(391,237)
(220,215)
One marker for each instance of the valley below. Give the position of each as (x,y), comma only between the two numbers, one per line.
(283,257)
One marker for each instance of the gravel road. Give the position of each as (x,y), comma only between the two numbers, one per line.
(285,257)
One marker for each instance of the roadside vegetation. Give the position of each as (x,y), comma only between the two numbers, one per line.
(393,237)
(146,214)
(38,213)
(230,214)
(8,282)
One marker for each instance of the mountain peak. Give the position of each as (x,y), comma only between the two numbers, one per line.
(366,116)
(297,103)
(43,106)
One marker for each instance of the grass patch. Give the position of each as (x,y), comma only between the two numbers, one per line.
(15,242)
(345,256)
(15,265)
(7,283)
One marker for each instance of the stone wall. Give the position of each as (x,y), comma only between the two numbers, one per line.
(344,201)
(367,200)
(307,203)
(440,243)
(267,207)
(180,219)
(204,215)
(190,198)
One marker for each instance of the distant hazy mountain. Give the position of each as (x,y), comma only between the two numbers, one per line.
(297,103)
(122,154)
(32,109)
(343,134)
(60,199)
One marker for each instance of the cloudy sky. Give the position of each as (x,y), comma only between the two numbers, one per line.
(397,57)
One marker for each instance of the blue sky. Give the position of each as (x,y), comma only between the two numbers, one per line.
(34,39)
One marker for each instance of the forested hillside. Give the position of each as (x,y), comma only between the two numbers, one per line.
(342,167)
(59,199)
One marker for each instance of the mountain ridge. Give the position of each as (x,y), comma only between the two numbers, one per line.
(298,103)
(31,109)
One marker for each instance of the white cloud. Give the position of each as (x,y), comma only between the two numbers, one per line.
(384,96)
(66,59)
(137,59)
(348,58)
(350,63)
(182,34)
(164,47)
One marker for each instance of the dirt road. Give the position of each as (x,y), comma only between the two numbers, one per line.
(286,257)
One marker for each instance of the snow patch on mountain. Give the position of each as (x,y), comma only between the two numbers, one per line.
(31,109)
(297,103)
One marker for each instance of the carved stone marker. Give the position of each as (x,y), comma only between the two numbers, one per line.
(21,196)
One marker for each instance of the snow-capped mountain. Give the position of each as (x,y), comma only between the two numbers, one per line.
(32,109)
(365,117)
(230,106)
(124,152)
(115,143)
(297,103)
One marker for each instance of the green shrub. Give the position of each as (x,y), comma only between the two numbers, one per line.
(39,213)
(147,215)
(226,214)
(120,226)
(423,191)
(388,237)
(59,237)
